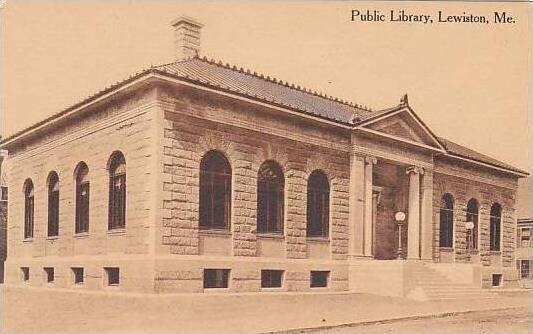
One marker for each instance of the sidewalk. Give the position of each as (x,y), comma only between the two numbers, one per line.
(47,310)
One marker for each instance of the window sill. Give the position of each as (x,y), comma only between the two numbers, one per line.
(216,232)
(27,240)
(276,289)
(52,238)
(446,249)
(473,251)
(323,240)
(216,290)
(117,231)
(495,253)
(81,235)
(270,236)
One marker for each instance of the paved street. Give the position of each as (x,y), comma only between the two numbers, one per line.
(514,321)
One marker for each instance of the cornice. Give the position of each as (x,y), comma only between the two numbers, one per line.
(472,177)
(121,117)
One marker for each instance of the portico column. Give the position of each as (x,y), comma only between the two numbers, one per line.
(426,225)
(369,206)
(356,208)
(413,217)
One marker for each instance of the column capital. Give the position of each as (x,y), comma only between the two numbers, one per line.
(371,160)
(414,170)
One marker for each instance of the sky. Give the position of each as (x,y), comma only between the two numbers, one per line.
(468,82)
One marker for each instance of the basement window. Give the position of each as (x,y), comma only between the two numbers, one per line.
(25,274)
(77,272)
(112,275)
(49,274)
(271,278)
(496,280)
(216,278)
(319,279)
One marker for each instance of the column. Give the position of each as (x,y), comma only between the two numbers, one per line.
(356,208)
(426,213)
(413,216)
(369,216)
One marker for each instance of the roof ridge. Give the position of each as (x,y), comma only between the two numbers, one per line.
(255,74)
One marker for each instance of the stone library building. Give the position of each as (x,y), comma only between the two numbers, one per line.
(200,176)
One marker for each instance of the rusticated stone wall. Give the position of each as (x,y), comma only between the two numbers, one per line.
(463,189)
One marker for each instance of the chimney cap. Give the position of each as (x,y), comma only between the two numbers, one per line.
(186,19)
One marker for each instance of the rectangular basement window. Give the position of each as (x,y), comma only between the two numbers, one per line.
(496,280)
(25,273)
(271,278)
(319,279)
(49,275)
(216,278)
(112,275)
(78,275)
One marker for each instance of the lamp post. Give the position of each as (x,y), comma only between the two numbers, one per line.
(400,218)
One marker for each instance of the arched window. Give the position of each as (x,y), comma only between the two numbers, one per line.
(215,191)
(29,206)
(82,198)
(53,204)
(495,226)
(446,221)
(472,215)
(117,191)
(317,205)
(270,190)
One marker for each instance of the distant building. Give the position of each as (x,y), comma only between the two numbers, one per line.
(197,176)
(524,251)
(3,217)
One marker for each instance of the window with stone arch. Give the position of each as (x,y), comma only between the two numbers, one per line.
(495,226)
(53,204)
(446,221)
(317,205)
(215,191)
(270,198)
(29,209)
(472,215)
(81,178)
(117,191)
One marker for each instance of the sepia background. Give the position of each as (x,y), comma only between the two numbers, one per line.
(468,82)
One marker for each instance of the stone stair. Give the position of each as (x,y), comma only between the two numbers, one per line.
(432,285)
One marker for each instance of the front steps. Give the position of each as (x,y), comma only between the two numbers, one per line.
(432,285)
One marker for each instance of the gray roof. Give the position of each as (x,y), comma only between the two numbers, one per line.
(265,88)
(465,152)
(237,81)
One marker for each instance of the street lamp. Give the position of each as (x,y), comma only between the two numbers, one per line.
(400,218)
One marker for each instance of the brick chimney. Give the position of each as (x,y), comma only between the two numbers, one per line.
(186,37)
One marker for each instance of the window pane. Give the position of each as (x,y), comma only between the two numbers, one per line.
(215,191)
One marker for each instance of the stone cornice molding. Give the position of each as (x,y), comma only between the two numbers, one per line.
(100,125)
(362,151)
(468,176)
(239,123)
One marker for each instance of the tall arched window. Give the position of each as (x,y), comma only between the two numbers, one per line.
(495,226)
(472,215)
(215,191)
(446,221)
(117,191)
(317,205)
(29,209)
(82,198)
(53,204)
(270,193)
